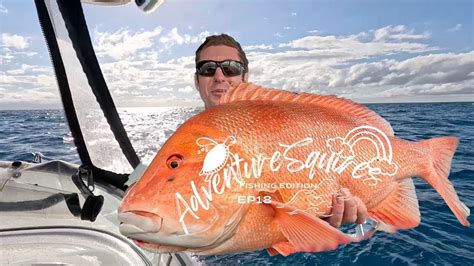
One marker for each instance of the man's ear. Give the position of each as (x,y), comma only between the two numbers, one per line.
(196,82)
(245,78)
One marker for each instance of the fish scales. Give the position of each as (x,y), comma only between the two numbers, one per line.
(220,183)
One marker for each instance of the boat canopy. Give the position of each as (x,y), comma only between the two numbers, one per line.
(99,135)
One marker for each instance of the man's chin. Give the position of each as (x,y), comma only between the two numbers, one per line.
(213,101)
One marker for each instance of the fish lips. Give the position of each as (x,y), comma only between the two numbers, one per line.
(134,223)
(152,229)
(139,227)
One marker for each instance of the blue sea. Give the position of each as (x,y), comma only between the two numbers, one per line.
(439,240)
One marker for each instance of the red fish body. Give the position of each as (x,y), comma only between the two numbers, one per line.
(260,170)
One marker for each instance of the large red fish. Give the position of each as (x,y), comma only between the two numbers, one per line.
(259,171)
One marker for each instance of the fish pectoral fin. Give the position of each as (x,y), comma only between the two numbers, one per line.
(306,233)
(399,210)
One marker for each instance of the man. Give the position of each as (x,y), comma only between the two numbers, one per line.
(221,64)
(213,84)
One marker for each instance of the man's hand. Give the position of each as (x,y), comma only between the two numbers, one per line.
(346,209)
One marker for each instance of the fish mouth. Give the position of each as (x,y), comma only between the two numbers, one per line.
(154,232)
(139,222)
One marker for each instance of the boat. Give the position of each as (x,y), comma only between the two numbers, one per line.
(57,212)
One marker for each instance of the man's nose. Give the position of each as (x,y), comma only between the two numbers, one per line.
(219,75)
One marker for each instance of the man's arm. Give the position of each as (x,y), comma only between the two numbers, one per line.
(347,209)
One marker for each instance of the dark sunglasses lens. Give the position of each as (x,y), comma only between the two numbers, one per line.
(208,69)
(231,68)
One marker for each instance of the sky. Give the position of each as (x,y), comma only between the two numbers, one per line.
(365,50)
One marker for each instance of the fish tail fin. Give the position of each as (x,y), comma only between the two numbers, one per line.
(399,210)
(441,151)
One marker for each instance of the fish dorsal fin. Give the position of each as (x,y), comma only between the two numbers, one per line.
(252,92)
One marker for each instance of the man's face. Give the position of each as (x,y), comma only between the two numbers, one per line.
(212,88)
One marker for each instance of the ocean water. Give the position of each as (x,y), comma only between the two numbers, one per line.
(439,240)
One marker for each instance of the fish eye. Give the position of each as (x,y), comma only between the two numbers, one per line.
(174,161)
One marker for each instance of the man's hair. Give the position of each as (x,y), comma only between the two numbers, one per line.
(223,39)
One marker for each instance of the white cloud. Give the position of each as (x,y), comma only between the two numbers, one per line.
(186,89)
(6,57)
(173,37)
(257,47)
(123,43)
(421,70)
(287,28)
(31,97)
(448,89)
(14,41)
(142,73)
(30,86)
(3,9)
(21,70)
(358,66)
(294,14)
(148,79)
(26,53)
(361,44)
(120,92)
(46,81)
(457,27)
(326,65)
(398,33)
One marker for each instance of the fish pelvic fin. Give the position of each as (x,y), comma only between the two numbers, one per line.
(441,151)
(272,252)
(282,248)
(253,92)
(399,210)
(305,233)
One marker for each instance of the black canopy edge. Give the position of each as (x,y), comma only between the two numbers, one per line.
(100,175)
(73,15)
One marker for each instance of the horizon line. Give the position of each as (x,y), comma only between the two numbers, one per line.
(190,106)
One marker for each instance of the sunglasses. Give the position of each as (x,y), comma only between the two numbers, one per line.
(230,68)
